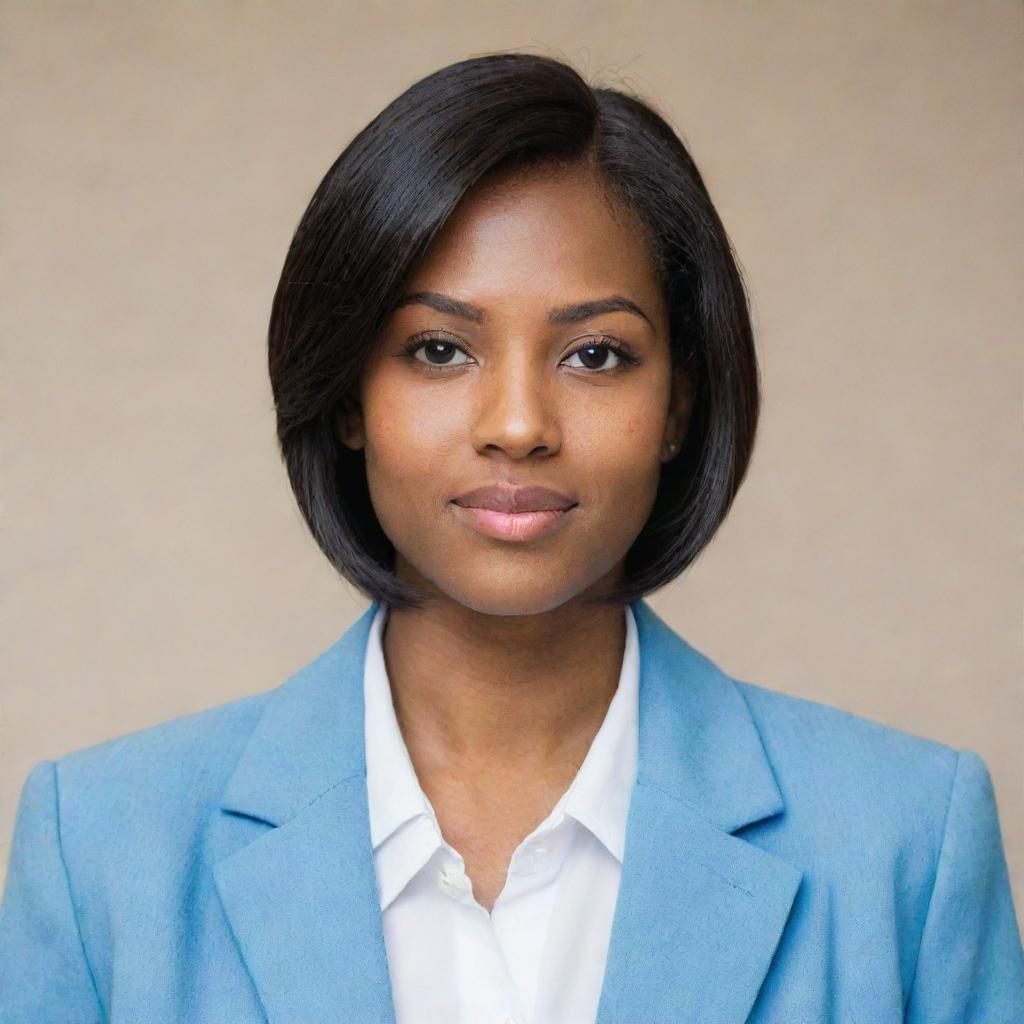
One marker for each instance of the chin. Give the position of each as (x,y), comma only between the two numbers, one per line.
(507,584)
(512,609)
(508,594)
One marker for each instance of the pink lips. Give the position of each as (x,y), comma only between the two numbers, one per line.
(514,513)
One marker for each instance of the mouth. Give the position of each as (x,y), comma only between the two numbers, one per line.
(505,497)
(513,512)
(513,526)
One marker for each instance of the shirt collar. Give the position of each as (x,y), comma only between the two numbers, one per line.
(395,794)
(598,797)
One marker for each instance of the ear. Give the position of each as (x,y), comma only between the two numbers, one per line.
(677,423)
(348,422)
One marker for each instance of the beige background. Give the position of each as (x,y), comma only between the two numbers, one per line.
(866,159)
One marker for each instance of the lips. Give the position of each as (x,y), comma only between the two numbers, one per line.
(504,498)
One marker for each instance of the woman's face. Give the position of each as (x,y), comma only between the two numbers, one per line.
(479,380)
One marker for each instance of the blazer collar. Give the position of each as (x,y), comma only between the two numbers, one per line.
(700,910)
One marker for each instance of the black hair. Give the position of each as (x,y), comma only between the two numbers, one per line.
(373,216)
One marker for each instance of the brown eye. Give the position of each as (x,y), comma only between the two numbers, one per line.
(593,356)
(438,352)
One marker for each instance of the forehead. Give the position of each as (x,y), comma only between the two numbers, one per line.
(550,233)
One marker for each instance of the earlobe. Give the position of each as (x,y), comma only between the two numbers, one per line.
(349,427)
(677,425)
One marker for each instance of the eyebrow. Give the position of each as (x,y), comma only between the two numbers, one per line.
(572,314)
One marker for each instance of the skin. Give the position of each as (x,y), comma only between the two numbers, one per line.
(502,680)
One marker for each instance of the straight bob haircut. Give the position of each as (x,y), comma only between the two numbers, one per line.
(373,216)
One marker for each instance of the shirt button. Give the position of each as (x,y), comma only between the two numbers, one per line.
(455,884)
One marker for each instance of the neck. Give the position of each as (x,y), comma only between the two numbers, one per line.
(486,694)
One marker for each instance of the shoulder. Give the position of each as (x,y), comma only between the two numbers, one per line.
(818,753)
(155,794)
(187,754)
(901,835)
(842,773)
(144,799)
(807,731)
(150,791)
(192,756)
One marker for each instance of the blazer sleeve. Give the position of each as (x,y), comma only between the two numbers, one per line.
(970,966)
(44,975)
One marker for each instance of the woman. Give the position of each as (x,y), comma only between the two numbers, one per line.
(516,392)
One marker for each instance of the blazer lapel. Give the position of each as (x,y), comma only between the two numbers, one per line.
(302,897)
(700,911)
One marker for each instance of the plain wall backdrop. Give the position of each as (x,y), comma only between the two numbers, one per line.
(866,160)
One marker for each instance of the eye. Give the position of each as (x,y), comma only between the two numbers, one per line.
(594,352)
(440,352)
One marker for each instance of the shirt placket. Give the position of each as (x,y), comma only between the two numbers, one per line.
(479,956)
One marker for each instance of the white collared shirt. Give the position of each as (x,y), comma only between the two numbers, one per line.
(539,956)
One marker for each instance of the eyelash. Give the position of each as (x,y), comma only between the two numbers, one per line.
(625,354)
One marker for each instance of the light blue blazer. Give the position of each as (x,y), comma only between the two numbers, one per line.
(785,862)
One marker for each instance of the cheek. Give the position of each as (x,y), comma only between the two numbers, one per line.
(617,461)
(410,445)
(630,474)
(620,442)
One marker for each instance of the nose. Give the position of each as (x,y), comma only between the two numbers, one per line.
(517,408)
